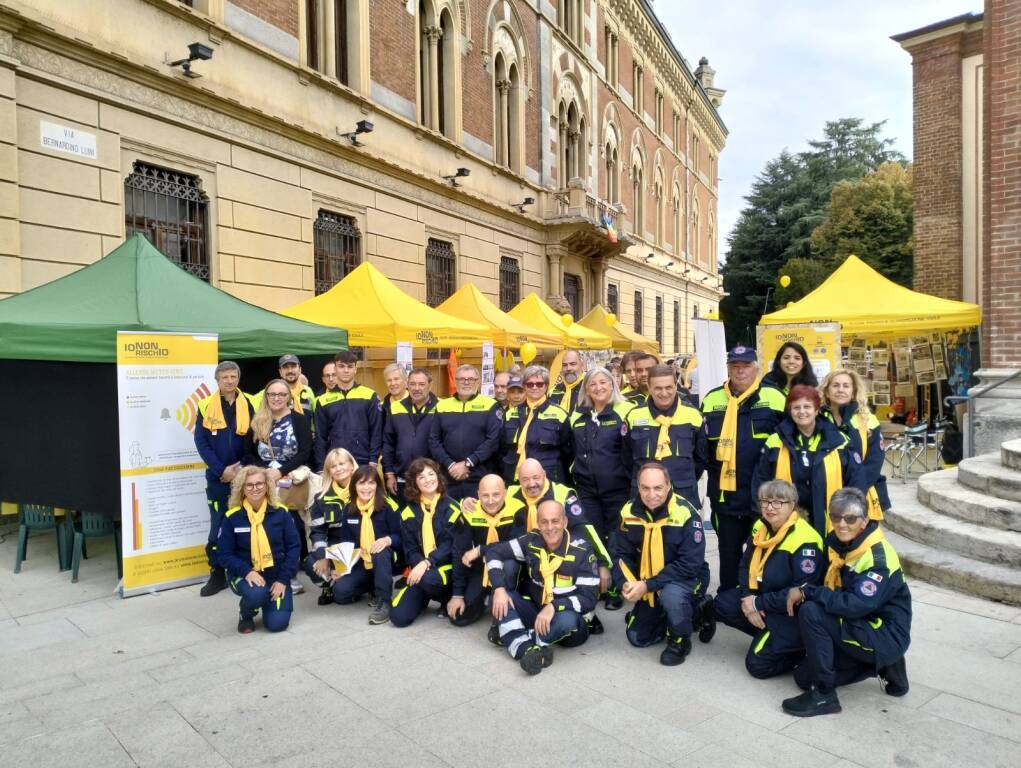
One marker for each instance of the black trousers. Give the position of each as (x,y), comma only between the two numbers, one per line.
(830,660)
(603,510)
(474,600)
(774,650)
(731,532)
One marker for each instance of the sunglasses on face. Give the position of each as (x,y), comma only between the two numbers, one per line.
(848,519)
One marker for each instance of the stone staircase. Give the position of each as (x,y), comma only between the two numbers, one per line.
(964,529)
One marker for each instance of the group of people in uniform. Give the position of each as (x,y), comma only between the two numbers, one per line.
(537,504)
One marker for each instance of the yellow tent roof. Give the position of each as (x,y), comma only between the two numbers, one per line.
(376,313)
(468,303)
(867,304)
(623,338)
(533,311)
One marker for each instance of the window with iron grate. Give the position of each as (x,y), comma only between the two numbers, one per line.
(337,244)
(638,311)
(439,271)
(510,283)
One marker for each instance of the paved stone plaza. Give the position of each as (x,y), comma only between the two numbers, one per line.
(89,679)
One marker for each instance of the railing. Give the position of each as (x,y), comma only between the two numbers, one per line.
(974,394)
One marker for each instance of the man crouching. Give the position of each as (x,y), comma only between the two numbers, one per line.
(562,586)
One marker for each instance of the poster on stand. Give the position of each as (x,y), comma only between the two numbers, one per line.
(820,340)
(488,370)
(161,378)
(405,357)
(711,348)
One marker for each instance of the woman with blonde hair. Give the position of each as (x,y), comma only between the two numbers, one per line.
(258,547)
(326,517)
(845,403)
(280,440)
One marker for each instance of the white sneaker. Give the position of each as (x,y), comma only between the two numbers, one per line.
(297,587)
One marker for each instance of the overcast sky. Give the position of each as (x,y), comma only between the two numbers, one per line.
(790,65)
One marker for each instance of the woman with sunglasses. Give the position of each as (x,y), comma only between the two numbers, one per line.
(258,547)
(857,623)
(537,429)
(783,551)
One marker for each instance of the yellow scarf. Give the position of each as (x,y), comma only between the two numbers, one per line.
(764,545)
(531,519)
(344,494)
(875,508)
(531,407)
(213,419)
(652,550)
(296,391)
(565,400)
(663,440)
(726,447)
(833,580)
(548,565)
(366,533)
(831,465)
(492,537)
(262,553)
(428,534)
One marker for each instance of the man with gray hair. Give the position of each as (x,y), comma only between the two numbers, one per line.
(857,624)
(568,389)
(224,418)
(465,433)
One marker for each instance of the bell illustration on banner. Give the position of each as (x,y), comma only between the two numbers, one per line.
(527,352)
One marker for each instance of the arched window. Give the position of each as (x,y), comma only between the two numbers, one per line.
(612,174)
(637,193)
(507,100)
(437,62)
(696,233)
(675,206)
(571,161)
(447,53)
(660,203)
(711,241)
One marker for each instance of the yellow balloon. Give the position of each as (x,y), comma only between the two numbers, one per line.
(527,352)
(566,318)
(790,304)
(785,280)
(611,319)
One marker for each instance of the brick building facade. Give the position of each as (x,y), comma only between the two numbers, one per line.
(967,168)
(243,174)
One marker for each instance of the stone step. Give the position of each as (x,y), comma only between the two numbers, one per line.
(948,569)
(949,534)
(941,492)
(1010,454)
(986,474)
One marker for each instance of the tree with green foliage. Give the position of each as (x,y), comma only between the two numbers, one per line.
(786,204)
(872,218)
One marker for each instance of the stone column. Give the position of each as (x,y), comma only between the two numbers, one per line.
(575,172)
(565,173)
(504,131)
(329,38)
(433,35)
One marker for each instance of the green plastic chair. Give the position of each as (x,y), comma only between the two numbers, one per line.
(93,525)
(39,517)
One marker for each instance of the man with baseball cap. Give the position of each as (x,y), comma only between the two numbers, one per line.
(302,395)
(738,417)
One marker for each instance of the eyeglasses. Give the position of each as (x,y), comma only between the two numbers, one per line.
(467,379)
(254,486)
(535,385)
(277,394)
(849,519)
(772,503)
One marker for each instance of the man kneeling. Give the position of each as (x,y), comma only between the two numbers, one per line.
(660,535)
(562,586)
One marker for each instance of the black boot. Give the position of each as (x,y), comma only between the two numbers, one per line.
(217,583)
(812,702)
(705,617)
(896,678)
(595,626)
(676,651)
(612,600)
(326,596)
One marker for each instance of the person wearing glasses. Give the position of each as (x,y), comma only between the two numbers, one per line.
(537,429)
(465,434)
(280,441)
(784,551)
(857,623)
(258,547)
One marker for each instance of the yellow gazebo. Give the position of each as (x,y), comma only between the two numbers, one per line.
(469,303)
(867,304)
(533,311)
(622,337)
(376,313)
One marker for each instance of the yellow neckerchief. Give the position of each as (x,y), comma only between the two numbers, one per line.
(831,465)
(213,419)
(262,553)
(344,494)
(726,447)
(663,439)
(565,401)
(428,505)
(833,580)
(764,545)
(652,549)
(492,537)
(531,519)
(875,508)
(296,391)
(366,533)
(548,565)
(532,406)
